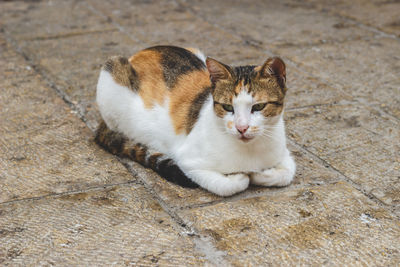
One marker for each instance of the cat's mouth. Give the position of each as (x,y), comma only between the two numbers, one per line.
(245,138)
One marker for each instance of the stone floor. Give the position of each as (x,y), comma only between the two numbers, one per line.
(64,201)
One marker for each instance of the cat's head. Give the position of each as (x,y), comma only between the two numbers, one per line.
(248,99)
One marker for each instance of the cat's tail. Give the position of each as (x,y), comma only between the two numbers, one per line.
(118,144)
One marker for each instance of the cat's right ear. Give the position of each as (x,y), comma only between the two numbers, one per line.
(218,71)
(274,67)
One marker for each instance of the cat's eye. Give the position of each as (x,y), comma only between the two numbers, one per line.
(258,107)
(227,107)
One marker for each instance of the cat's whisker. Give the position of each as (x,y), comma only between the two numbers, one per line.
(270,135)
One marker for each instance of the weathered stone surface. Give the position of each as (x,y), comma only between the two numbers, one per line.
(45,148)
(51,19)
(170,23)
(319,40)
(277,23)
(323,225)
(74,63)
(174,195)
(356,140)
(307,90)
(381,14)
(119,225)
(341,209)
(366,69)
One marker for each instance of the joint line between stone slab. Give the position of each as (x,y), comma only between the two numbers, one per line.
(73,192)
(162,203)
(347,179)
(317,105)
(66,35)
(75,108)
(363,25)
(247,195)
(211,253)
(114,23)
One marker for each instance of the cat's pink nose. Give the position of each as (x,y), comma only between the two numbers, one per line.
(242,128)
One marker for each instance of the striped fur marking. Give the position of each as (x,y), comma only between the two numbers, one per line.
(265,83)
(122,72)
(117,144)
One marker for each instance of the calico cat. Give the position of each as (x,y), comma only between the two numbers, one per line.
(196,121)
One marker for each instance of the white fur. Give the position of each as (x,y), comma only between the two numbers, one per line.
(212,155)
(199,54)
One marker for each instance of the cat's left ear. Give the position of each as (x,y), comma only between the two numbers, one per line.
(275,67)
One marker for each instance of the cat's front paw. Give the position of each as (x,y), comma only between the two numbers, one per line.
(233,183)
(272,177)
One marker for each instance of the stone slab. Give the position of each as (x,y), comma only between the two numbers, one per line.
(381,14)
(73,64)
(277,23)
(307,90)
(45,148)
(328,225)
(366,69)
(356,140)
(171,24)
(51,19)
(320,40)
(121,225)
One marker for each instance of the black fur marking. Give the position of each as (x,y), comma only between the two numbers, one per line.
(176,61)
(244,73)
(132,153)
(111,141)
(120,68)
(109,66)
(117,144)
(123,60)
(152,161)
(133,79)
(196,106)
(281,82)
(171,172)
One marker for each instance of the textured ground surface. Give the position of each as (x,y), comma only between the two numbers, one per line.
(64,201)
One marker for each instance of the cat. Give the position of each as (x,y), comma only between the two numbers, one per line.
(195,120)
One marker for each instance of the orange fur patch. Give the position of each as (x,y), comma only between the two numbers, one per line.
(239,87)
(183,95)
(230,124)
(152,88)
